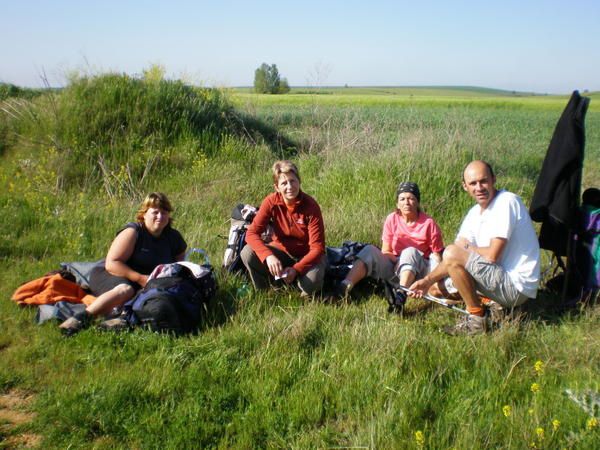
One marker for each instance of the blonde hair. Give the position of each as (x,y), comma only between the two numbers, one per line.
(284,167)
(154,200)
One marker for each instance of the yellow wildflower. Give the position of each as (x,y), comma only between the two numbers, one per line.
(555,424)
(539,367)
(539,431)
(506,410)
(530,411)
(535,388)
(420,439)
(591,423)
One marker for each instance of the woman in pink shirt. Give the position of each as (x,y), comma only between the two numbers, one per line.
(411,242)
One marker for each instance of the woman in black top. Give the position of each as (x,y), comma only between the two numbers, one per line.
(136,250)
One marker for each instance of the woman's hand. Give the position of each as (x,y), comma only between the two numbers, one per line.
(289,274)
(274,265)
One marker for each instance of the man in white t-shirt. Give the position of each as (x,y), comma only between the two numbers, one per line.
(496,252)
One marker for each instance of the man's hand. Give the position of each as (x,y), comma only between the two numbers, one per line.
(274,265)
(465,244)
(492,253)
(420,287)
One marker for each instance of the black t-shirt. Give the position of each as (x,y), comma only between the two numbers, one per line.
(151,251)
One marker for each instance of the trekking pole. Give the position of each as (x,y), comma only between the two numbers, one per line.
(439,301)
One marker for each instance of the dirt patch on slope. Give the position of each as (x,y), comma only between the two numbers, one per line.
(14,411)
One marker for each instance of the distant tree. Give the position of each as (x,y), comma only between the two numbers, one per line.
(260,79)
(284,87)
(268,81)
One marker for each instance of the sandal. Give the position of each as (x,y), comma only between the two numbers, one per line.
(116,324)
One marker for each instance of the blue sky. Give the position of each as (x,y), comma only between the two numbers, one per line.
(540,46)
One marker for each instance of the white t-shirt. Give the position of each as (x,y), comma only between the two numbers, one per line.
(506,217)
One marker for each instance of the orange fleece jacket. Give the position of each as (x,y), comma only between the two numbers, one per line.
(51,289)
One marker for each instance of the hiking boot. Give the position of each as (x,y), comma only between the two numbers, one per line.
(342,291)
(396,298)
(496,312)
(116,324)
(76,323)
(469,325)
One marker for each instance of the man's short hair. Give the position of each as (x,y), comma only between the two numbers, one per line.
(485,163)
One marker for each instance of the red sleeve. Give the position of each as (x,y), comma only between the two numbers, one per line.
(316,242)
(258,226)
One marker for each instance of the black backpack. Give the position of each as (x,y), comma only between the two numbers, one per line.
(340,259)
(174,303)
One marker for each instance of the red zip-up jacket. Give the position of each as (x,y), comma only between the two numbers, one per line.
(297,230)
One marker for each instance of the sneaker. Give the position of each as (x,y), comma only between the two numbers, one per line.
(469,325)
(116,324)
(75,324)
(497,313)
(396,298)
(341,291)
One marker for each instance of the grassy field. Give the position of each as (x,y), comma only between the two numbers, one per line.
(271,370)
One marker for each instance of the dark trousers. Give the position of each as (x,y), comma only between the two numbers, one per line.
(309,283)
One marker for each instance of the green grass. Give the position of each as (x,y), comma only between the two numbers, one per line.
(436,91)
(270,370)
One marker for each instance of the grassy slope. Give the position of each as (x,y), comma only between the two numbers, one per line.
(270,370)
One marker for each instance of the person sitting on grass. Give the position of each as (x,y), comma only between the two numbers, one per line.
(496,252)
(411,241)
(296,253)
(136,250)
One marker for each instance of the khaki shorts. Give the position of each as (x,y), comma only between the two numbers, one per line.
(492,281)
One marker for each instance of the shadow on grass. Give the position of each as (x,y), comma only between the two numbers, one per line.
(550,308)
(256,131)
(221,308)
(547,307)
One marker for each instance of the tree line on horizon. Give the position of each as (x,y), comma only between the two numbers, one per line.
(267,80)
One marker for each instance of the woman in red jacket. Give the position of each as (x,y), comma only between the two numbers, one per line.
(297,250)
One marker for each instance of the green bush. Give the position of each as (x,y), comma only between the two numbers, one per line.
(116,131)
(10,90)
(111,121)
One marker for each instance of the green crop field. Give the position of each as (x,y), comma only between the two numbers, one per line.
(271,370)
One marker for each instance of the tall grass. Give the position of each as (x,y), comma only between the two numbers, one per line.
(118,129)
(270,369)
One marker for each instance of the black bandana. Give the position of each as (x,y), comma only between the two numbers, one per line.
(409,186)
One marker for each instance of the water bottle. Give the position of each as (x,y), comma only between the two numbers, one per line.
(243,290)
